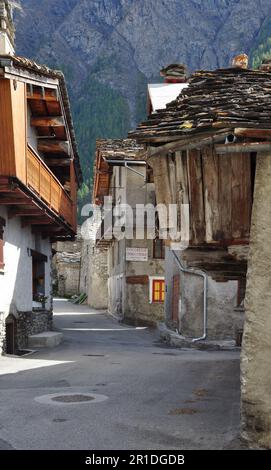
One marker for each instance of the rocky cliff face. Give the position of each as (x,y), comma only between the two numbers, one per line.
(120,45)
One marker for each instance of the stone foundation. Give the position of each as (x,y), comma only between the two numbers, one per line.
(98,279)
(32,323)
(2,333)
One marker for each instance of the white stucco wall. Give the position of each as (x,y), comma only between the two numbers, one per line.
(16,278)
(31,132)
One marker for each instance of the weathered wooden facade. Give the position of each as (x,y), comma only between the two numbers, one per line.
(211,149)
(202,156)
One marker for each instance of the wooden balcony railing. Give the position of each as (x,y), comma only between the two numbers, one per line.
(41,180)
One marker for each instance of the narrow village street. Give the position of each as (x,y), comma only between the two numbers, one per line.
(156,397)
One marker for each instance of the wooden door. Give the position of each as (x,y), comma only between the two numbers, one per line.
(176,299)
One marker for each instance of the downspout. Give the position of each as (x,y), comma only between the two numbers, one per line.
(126,164)
(203,275)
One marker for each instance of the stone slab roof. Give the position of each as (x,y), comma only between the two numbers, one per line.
(119,149)
(223,98)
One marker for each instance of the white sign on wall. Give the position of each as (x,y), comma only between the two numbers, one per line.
(136,254)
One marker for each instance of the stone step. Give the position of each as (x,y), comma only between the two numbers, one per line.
(48,339)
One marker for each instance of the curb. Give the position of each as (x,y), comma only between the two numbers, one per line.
(178,341)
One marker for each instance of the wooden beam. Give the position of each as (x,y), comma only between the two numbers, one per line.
(36,221)
(187,144)
(48,121)
(243,147)
(45,94)
(46,228)
(58,162)
(256,133)
(6,189)
(6,201)
(54,146)
(22,212)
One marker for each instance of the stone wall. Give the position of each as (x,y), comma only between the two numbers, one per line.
(224,318)
(256,350)
(139,311)
(2,332)
(66,267)
(98,279)
(87,247)
(132,301)
(32,323)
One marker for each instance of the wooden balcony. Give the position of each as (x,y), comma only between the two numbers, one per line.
(28,187)
(42,181)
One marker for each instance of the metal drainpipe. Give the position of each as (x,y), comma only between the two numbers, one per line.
(126,164)
(203,275)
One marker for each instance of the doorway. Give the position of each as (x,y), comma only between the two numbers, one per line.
(11,335)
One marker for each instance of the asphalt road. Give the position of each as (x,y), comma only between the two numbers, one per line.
(156,397)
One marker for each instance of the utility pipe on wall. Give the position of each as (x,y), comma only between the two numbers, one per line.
(203,275)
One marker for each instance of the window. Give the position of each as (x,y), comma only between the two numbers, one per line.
(158,290)
(158,248)
(2,225)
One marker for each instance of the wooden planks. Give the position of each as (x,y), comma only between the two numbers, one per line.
(243,147)
(18,96)
(224,197)
(47,121)
(220,196)
(54,146)
(197,214)
(7,160)
(241,195)
(211,193)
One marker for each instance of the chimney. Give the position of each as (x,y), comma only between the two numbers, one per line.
(174,73)
(7,30)
(240,61)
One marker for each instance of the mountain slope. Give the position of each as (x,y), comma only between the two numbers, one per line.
(110,49)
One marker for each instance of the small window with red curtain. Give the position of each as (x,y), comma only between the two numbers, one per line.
(2,225)
(158,290)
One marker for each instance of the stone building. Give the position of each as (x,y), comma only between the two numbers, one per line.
(39,176)
(67,267)
(210,150)
(135,265)
(206,282)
